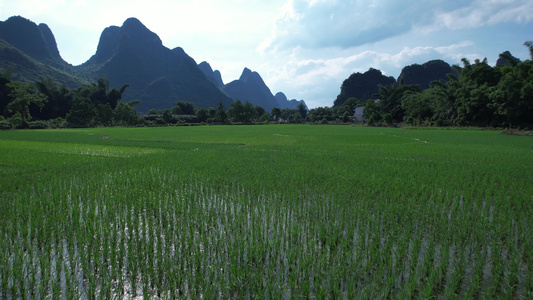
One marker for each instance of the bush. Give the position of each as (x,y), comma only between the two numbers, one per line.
(38,125)
(371,121)
(388,119)
(4,124)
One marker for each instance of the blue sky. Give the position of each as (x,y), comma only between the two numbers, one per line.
(304,48)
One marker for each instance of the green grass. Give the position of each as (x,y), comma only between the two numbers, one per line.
(275,211)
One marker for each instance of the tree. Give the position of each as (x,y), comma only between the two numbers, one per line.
(350,105)
(152,112)
(417,107)
(529,45)
(184,108)
(5,78)
(167,116)
(302,110)
(260,111)
(99,92)
(291,115)
(24,94)
(371,112)
(202,114)
(240,112)
(321,113)
(59,99)
(82,112)
(221,115)
(276,113)
(125,114)
(390,99)
(103,115)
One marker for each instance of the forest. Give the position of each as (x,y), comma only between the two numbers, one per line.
(477,95)
(480,95)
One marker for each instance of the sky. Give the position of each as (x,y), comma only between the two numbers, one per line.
(303,48)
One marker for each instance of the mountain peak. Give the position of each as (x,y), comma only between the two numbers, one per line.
(133,22)
(425,73)
(251,76)
(131,30)
(36,41)
(213,76)
(506,59)
(281,97)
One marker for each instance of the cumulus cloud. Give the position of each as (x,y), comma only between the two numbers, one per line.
(482,13)
(344,24)
(319,79)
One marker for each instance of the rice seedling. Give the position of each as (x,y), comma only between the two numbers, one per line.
(265,212)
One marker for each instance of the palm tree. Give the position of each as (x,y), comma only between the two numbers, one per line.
(529,44)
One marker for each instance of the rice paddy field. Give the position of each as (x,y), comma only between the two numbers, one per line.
(265,212)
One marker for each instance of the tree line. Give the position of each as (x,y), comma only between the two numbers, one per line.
(480,95)
(47,104)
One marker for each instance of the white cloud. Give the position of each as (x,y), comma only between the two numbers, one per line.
(482,12)
(306,47)
(319,79)
(344,24)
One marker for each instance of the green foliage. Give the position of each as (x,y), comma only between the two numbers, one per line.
(302,110)
(23,95)
(202,114)
(276,113)
(321,113)
(350,105)
(270,211)
(221,116)
(104,115)
(59,99)
(480,95)
(184,108)
(390,99)
(387,118)
(371,112)
(125,115)
(82,113)
(167,117)
(242,113)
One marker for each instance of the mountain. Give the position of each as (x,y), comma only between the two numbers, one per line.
(506,59)
(214,76)
(30,50)
(362,86)
(283,102)
(132,54)
(129,54)
(424,74)
(251,87)
(37,42)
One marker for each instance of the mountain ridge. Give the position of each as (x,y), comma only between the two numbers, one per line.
(128,54)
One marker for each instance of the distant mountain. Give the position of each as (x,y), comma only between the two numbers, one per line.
(30,50)
(37,42)
(129,54)
(214,76)
(251,87)
(506,58)
(283,102)
(132,54)
(424,74)
(362,86)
